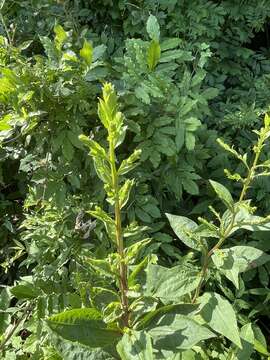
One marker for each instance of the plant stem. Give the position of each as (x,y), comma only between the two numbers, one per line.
(119,239)
(15,326)
(246,185)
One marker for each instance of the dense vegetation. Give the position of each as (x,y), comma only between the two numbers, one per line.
(156,246)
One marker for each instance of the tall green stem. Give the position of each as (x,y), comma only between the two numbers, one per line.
(119,239)
(226,234)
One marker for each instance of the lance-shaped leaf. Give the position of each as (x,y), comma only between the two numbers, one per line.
(153,55)
(103,267)
(130,163)
(107,107)
(86,52)
(106,219)
(184,228)
(152,27)
(136,345)
(124,192)
(219,314)
(223,193)
(230,149)
(84,326)
(133,250)
(170,284)
(60,36)
(94,147)
(133,277)
(238,259)
(100,157)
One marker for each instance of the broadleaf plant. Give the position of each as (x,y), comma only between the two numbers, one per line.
(142,310)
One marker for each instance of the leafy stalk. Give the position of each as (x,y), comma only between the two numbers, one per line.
(263,134)
(119,236)
(117,190)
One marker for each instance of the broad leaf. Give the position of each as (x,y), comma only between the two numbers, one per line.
(25,291)
(184,228)
(238,259)
(170,284)
(223,193)
(84,326)
(247,340)
(152,317)
(174,331)
(74,351)
(135,345)
(218,313)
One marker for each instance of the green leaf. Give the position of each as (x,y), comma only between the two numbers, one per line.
(135,345)
(170,284)
(124,192)
(190,186)
(106,219)
(180,134)
(153,55)
(152,28)
(132,251)
(261,348)
(130,163)
(175,331)
(132,278)
(99,51)
(247,340)
(60,36)
(4,123)
(84,326)
(170,43)
(87,52)
(238,259)
(68,149)
(172,55)
(184,228)
(223,193)
(190,141)
(151,318)
(25,291)
(75,351)
(142,94)
(218,313)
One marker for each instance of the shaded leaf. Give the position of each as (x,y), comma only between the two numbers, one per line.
(219,314)
(170,284)
(238,259)
(135,345)
(174,331)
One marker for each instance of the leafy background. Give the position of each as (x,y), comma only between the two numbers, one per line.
(212,80)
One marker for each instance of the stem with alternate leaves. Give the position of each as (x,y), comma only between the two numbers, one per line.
(226,234)
(119,237)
